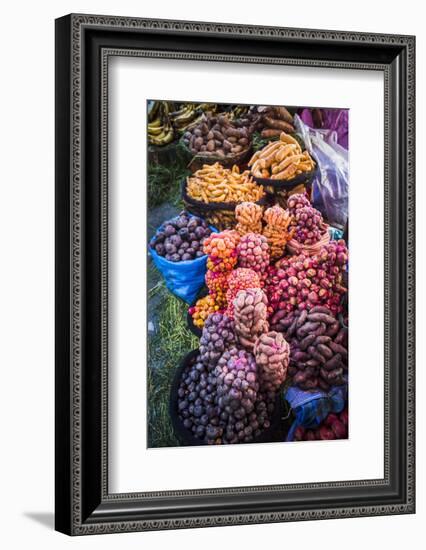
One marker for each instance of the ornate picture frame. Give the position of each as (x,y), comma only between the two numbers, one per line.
(84,43)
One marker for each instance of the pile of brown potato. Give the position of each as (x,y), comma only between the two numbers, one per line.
(217,136)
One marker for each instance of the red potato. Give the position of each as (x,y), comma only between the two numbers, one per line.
(330,419)
(339,429)
(344,417)
(326,433)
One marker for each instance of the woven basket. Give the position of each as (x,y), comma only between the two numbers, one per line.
(218,214)
(195,162)
(280,190)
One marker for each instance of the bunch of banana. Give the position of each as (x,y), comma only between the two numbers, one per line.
(160,129)
(239,111)
(208,107)
(185,116)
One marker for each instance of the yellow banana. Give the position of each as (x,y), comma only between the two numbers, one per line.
(155,124)
(156,131)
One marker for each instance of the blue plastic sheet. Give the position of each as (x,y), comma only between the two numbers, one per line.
(311,408)
(183,279)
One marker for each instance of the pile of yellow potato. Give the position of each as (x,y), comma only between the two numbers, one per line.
(281,160)
(214,183)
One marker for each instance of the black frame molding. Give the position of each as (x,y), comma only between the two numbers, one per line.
(84,43)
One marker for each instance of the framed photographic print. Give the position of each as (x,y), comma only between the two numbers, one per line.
(234,274)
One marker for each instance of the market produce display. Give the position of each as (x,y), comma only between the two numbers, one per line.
(240,278)
(281,160)
(310,226)
(237,391)
(303,282)
(221,249)
(214,183)
(224,395)
(319,354)
(253,252)
(250,316)
(271,351)
(262,272)
(278,230)
(310,231)
(249,218)
(213,192)
(218,335)
(217,136)
(296,202)
(204,307)
(335,426)
(181,238)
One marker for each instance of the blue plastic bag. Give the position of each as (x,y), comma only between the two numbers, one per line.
(311,408)
(335,234)
(183,279)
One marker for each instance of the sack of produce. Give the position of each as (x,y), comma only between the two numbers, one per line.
(216,139)
(311,233)
(283,168)
(213,192)
(311,409)
(278,230)
(331,181)
(177,251)
(204,304)
(207,404)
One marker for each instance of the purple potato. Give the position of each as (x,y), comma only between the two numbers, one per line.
(169,230)
(170,248)
(176,240)
(160,249)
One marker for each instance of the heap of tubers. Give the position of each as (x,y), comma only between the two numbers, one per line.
(250,316)
(277,230)
(275,120)
(297,201)
(271,351)
(249,218)
(204,307)
(253,252)
(240,279)
(221,249)
(281,160)
(319,355)
(214,183)
(303,282)
(218,335)
(217,136)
